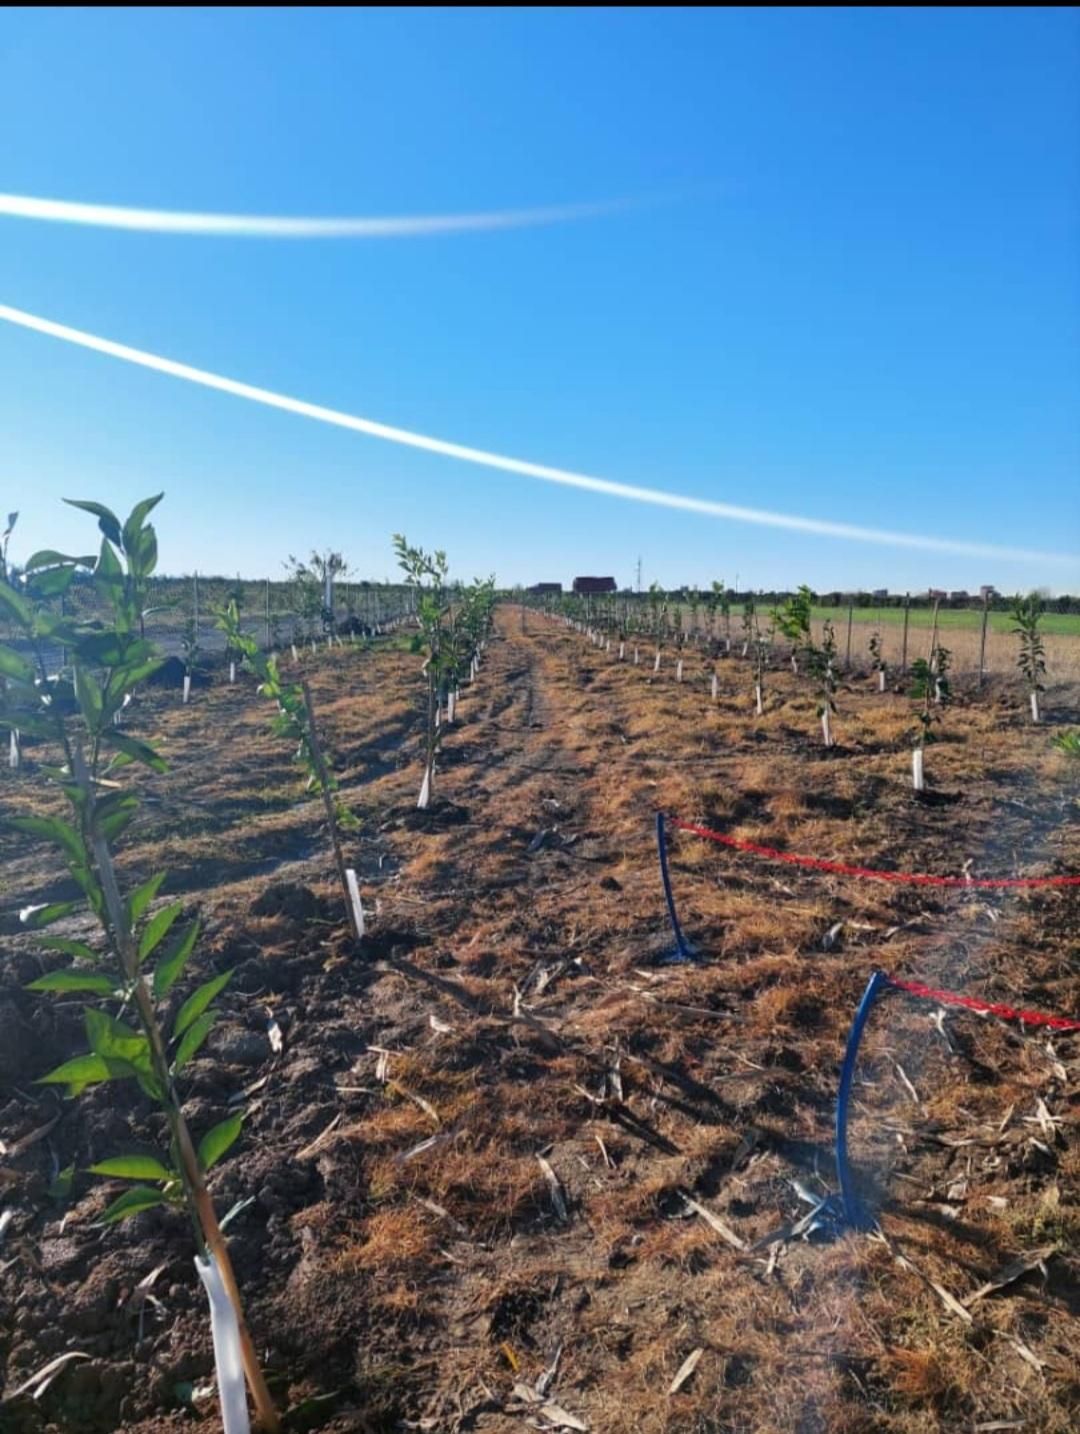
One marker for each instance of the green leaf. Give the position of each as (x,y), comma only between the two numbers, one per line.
(13,665)
(136,750)
(139,661)
(49,558)
(50,583)
(171,967)
(29,724)
(57,628)
(145,560)
(15,605)
(35,917)
(114,814)
(68,948)
(135,650)
(54,830)
(194,1036)
(217,1141)
(198,1001)
(139,672)
(134,1167)
(88,695)
(87,879)
(157,928)
(114,1041)
(133,528)
(142,896)
(101,649)
(108,522)
(78,1073)
(72,980)
(143,1197)
(109,581)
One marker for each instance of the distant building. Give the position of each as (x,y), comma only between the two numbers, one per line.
(539,589)
(960,596)
(595,585)
(880,593)
(988,591)
(937,594)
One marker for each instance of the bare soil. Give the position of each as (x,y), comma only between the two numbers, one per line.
(469,1163)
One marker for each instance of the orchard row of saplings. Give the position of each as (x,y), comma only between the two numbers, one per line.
(143,1024)
(623,629)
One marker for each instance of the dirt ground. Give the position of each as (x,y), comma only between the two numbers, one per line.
(465,1177)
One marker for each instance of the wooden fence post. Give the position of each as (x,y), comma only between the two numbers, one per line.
(982,638)
(933,634)
(907,615)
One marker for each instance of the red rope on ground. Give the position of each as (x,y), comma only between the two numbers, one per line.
(972,1003)
(907,878)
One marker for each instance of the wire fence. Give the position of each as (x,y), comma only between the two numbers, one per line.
(179,615)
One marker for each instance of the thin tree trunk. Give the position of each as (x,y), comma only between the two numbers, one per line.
(328,803)
(196,1191)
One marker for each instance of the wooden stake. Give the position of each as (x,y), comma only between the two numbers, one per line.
(982,638)
(907,615)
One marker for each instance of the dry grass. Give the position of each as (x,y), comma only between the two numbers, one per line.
(727,1070)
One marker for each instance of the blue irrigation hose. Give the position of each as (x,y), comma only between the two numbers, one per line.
(684,951)
(853,1212)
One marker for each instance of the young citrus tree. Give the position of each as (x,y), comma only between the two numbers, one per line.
(296,721)
(307,601)
(468,628)
(234,598)
(821,660)
(760,644)
(722,598)
(930,689)
(192,651)
(1027,613)
(135,1029)
(792,619)
(678,637)
(695,612)
(426,574)
(657,620)
(314,581)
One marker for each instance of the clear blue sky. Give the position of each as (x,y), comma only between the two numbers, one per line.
(864,303)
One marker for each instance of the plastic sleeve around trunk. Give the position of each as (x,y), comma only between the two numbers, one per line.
(226,1335)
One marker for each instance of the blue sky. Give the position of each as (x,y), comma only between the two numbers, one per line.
(857,296)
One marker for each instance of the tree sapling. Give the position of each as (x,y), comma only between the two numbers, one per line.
(1027,613)
(930,689)
(74,715)
(877,662)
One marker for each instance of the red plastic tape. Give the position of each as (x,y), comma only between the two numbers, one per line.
(905,878)
(972,1003)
